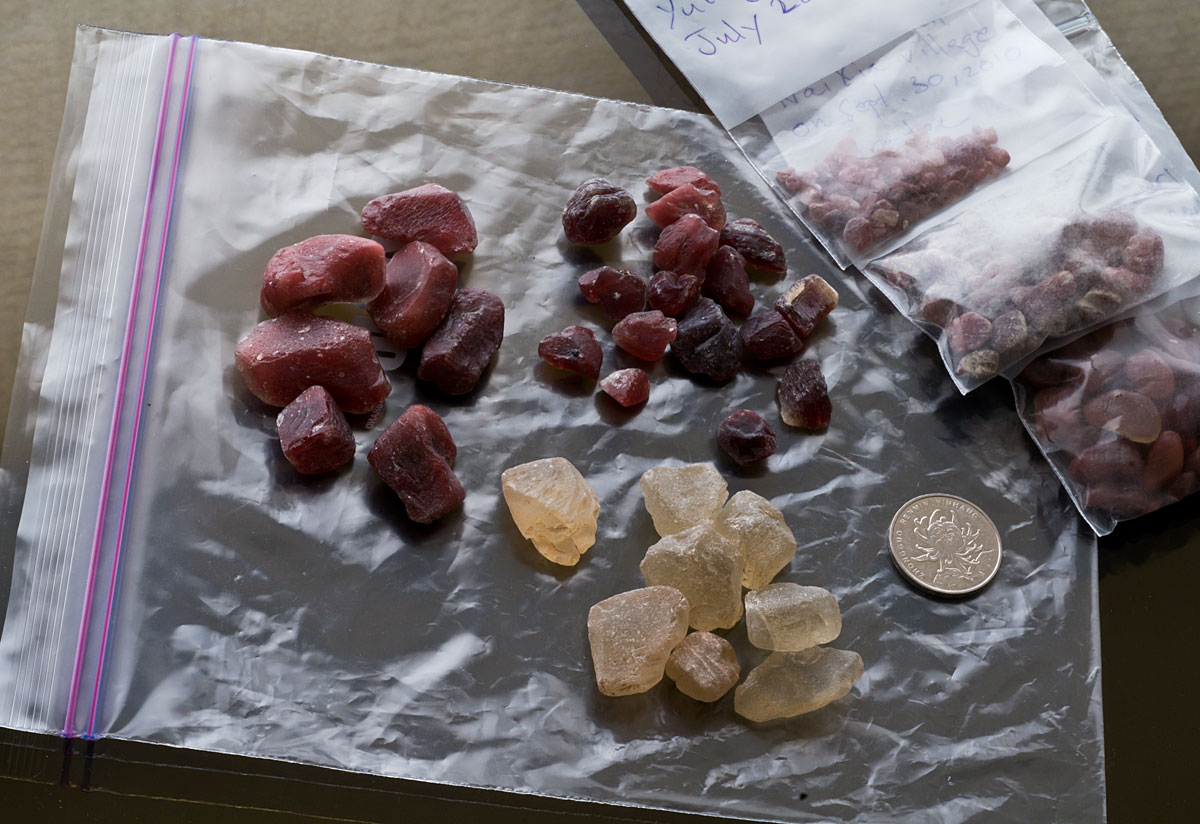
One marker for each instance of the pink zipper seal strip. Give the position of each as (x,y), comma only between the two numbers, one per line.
(141,397)
(122,379)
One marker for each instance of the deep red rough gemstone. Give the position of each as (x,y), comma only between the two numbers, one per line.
(573,349)
(667,180)
(746,437)
(688,200)
(806,302)
(758,248)
(618,292)
(645,335)
(707,342)
(282,357)
(672,293)
(803,396)
(597,212)
(767,336)
(686,246)
(726,282)
(322,269)
(418,289)
(628,387)
(431,213)
(415,456)
(458,351)
(313,433)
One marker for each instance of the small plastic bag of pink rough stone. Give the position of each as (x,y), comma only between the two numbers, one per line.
(1092,234)
(1117,412)
(893,141)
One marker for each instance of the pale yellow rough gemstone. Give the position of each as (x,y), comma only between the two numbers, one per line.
(631,635)
(790,617)
(681,496)
(706,567)
(704,666)
(793,683)
(553,506)
(757,526)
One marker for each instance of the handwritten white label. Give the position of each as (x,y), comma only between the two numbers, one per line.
(744,55)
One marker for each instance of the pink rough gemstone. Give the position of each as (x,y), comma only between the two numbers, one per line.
(282,357)
(322,269)
(628,387)
(618,292)
(417,293)
(645,335)
(313,433)
(688,200)
(431,213)
(686,246)
(668,180)
(758,248)
(415,456)
(460,348)
(672,293)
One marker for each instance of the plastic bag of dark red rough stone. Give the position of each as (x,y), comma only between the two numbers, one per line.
(1094,230)
(1117,413)
(886,145)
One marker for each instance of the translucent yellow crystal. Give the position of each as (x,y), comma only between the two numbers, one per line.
(793,683)
(681,496)
(757,526)
(791,617)
(706,567)
(631,635)
(553,506)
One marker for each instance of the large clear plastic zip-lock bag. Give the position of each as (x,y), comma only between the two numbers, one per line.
(261,613)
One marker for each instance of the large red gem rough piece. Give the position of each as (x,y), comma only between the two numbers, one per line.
(673,293)
(322,269)
(758,248)
(313,433)
(597,212)
(431,213)
(574,349)
(460,348)
(417,291)
(282,357)
(726,281)
(686,246)
(707,343)
(767,336)
(414,457)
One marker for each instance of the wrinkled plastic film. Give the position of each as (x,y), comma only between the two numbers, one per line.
(308,620)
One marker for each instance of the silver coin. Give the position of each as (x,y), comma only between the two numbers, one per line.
(945,545)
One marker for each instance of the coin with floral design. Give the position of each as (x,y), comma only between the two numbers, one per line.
(945,545)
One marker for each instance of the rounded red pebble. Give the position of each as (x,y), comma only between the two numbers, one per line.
(574,349)
(431,213)
(596,212)
(313,433)
(746,437)
(645,335)
(322,269)
(628,387)
(415,456)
